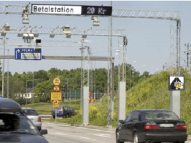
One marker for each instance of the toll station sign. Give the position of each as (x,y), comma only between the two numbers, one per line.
(55,9)
(52,9)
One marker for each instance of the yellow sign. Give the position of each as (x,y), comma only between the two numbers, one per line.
(56,96)
(56,81)
(55,103)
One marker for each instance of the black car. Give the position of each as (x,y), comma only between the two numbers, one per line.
(65,111)
(151,126)
(15,126)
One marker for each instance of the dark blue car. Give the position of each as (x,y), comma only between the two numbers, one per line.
(65,111)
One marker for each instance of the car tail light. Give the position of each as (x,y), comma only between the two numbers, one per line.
(39,119)
(150,126)
(181,126)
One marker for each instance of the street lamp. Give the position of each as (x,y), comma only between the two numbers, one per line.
(67,31)
(25,15)
(28,36)
(95,20)
(52,35)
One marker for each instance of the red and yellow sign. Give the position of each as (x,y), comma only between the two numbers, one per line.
(56,94)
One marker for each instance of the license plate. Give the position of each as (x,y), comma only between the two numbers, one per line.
(166,125)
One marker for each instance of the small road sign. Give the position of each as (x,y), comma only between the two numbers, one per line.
(55,103)
(28,54)
(56,96)
(176,83)
(56,81)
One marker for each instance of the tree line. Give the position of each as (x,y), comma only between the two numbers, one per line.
(41,82)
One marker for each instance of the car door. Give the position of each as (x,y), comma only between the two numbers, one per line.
(131,126)
(122,127)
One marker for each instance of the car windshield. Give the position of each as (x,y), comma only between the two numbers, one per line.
(159,115)
(30,112)
(16,123)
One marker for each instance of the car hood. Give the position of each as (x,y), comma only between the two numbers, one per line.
(21,138)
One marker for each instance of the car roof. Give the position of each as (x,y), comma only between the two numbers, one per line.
(9,105)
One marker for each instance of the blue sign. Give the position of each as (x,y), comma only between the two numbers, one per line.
(28,54)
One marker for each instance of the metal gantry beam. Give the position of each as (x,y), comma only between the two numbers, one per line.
(147,14)
(122,13)
(119,13)
(11,9)
(75,58)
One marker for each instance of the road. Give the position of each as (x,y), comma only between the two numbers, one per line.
(61,133)
(58,133)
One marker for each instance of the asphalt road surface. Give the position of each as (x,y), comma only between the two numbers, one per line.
(58,133)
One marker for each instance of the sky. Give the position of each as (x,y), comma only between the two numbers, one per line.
(151,42)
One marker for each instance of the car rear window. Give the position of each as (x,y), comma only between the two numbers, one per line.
(30,112)
(16,123)
(8,122)
(160,115)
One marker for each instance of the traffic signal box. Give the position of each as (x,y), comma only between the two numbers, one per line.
(56,94)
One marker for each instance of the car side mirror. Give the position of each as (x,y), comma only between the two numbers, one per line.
(43,131)
(121,121)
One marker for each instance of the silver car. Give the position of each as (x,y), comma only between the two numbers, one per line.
(33,116)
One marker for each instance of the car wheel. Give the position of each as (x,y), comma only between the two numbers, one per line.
(136,138)
(117,138)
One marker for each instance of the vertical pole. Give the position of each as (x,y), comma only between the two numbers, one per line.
(33,88)
(187,54)
(175,102)
(81,89)
(85,105)
(85,86)
(122,100)
(122,84)
(3,67)
(8,76)
(178,25)
(110,76)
